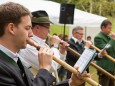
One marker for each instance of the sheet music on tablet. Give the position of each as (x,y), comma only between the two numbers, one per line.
(83,62)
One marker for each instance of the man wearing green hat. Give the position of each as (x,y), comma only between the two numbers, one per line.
(41,28)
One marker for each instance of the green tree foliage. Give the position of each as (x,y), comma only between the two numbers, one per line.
(99,7)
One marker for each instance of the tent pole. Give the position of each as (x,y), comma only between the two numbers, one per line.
(85,33)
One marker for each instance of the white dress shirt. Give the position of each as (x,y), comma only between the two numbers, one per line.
(76,40)
(29,55)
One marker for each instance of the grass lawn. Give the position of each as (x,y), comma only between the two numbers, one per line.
(59,29)
(93,73)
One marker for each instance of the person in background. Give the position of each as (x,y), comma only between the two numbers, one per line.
(62,72)
(101,40)
(76,43)
(89,39)
(65,38)
(60,36)
(55,34)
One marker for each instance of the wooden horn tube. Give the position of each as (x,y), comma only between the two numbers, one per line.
(94,65)
(108,56)
(65,65)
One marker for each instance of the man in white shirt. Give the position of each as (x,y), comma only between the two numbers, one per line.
(41,28)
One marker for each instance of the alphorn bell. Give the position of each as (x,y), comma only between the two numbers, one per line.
(65,65)
(92,64)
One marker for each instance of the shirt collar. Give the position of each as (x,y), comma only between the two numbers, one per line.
(108,36)
(76,40)
(39,40)
(12,55)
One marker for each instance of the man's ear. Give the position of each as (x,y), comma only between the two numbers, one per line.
(102,27)
(37,26)
(11,28)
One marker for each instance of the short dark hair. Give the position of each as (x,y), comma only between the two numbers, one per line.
(11,13)
(105,23)
(88,36)
(77,28)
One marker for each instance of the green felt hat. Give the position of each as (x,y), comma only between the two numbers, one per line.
(40,16)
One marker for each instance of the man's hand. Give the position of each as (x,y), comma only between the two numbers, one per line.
(76,80)
(45,58)
(113,36)
(62,46)
(55,39)
(102,54)
(87,43)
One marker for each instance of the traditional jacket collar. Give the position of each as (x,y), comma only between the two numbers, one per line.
(12,55)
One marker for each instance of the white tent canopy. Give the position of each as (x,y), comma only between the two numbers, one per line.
(53,9)
(81,18)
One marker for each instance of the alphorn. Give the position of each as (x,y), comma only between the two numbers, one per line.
(92,64)
(65,65)
(108,56)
